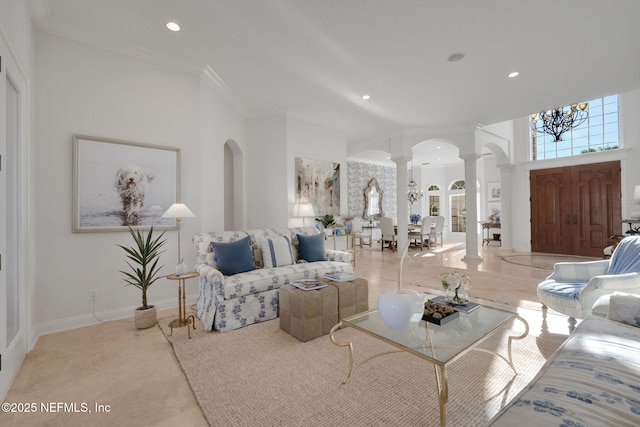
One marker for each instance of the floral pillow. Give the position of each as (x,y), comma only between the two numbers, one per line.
(624,308)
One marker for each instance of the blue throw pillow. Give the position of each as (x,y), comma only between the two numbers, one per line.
(311,248)
(234,257)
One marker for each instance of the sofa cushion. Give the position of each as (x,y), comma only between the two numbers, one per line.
(563,290)
(276,251)
(234,257)
(264,279)
(311,248)
(625,308)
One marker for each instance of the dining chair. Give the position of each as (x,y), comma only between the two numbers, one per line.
(422,236)
(388,233)
(437,231)
(356,230)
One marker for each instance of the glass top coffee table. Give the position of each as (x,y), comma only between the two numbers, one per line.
(439,344)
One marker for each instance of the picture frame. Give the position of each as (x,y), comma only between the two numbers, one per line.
(117,184)
(493,191)
(318,183)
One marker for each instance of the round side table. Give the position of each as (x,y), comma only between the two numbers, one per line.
(183,319)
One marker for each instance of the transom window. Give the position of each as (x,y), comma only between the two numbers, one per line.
(598,133)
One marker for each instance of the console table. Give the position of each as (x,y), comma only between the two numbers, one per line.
(486,231)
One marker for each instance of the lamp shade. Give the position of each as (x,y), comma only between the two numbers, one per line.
(178,210)
(303,210)
(636,193)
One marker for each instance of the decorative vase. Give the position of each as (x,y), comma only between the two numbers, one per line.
(182,269)
(145,317)
(328,231)
(457,295)
(348,224)
(401,309)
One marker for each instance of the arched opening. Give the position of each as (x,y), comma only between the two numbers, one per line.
(233,212)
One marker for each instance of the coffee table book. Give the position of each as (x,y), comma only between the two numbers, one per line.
(340,276)
(467,307)
(309,284)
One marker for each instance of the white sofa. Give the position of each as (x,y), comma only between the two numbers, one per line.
(230,302)
(592,380)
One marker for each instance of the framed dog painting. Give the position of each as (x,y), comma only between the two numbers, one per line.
(117,184)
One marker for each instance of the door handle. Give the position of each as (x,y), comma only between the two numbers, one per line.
(568,219)
(575,220)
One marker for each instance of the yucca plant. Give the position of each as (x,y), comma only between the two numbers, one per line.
(143,260)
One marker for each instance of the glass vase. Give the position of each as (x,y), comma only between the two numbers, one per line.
(457,295)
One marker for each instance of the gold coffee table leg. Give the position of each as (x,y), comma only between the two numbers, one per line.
(509,360)
(442,382)
(343,344)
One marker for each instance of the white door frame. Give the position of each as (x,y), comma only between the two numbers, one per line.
(13,352)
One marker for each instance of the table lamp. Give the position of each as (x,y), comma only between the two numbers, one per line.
(179,211)
(302,210)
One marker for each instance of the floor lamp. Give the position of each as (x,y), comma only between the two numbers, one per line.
(178,211)
(302,210)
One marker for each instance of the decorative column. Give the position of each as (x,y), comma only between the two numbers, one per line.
(402,237)
(505,206)
(471,204)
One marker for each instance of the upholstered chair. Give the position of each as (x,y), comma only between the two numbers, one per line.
(388,233)
(356,230)
(423,236)
(574,287)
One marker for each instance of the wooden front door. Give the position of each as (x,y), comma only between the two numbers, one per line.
(575,209)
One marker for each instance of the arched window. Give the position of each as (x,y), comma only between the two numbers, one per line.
(457,206)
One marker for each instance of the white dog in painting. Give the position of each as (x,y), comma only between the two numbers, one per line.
(131,184)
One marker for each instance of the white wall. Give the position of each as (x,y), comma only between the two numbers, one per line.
(267,172)
(84,90)
(220,122)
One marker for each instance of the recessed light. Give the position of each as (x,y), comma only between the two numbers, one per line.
(514,74)
(456,57)
(365,97)
(173,26)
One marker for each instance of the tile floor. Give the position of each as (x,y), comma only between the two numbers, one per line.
(137,380)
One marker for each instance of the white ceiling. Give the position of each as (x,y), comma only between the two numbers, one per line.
(315,59)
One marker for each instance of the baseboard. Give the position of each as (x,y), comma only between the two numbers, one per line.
(60,325)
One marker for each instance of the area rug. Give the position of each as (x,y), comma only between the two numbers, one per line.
(261,376)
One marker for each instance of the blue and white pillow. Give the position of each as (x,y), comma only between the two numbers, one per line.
(625,308)
(276,251)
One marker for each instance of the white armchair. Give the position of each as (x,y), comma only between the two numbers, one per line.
(574,287)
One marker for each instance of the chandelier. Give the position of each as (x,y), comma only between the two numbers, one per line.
(558,121)
(413,194)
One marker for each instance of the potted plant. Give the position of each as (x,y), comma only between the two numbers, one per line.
(327,221)
(143,260)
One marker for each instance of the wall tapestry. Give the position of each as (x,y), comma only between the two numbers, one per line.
(318,183)
(117,184)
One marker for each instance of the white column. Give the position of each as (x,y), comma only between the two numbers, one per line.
(505,207)
(471,194)
(402,207)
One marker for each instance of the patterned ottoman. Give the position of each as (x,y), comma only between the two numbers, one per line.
(353,296)
(308,314)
